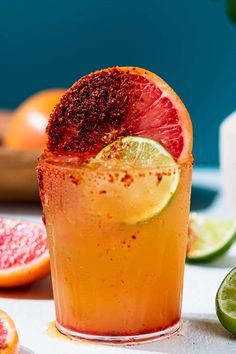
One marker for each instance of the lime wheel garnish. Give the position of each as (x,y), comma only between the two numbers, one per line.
(144,198)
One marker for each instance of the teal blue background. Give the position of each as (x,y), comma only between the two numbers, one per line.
(191,44)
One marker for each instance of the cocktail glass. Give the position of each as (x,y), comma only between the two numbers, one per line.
(117,263)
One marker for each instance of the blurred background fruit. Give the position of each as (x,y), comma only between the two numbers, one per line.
(26,130)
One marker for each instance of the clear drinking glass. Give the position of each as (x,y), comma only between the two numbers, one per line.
(117,267)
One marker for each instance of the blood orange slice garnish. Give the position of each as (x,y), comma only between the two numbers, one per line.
(9,343)
(116,102)
(24,255)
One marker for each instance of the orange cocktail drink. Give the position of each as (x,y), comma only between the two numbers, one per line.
(115,183)
(117,263)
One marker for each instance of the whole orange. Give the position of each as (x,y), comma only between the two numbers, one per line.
(26,130)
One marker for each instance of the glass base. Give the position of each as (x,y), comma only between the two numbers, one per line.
(121,340)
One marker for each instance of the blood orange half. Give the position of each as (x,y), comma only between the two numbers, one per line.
(8,336)
(116,102)
(24,255)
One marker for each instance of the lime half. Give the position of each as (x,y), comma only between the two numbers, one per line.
(209,237)
(148,195)
(226,302)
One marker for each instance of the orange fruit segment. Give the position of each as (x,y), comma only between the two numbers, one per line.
(9,343)
(113,103)
(24,256)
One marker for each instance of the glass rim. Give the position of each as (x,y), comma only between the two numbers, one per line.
(74,162)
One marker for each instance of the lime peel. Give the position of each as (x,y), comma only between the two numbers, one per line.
(226,302)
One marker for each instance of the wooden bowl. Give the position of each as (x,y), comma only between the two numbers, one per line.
(18,180)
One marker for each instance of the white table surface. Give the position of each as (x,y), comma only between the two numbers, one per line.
(32,308)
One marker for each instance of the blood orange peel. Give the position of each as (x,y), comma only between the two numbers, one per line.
(24,256)
(9,343)
(116,102)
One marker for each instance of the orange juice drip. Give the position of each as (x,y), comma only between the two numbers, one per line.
(111,277)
